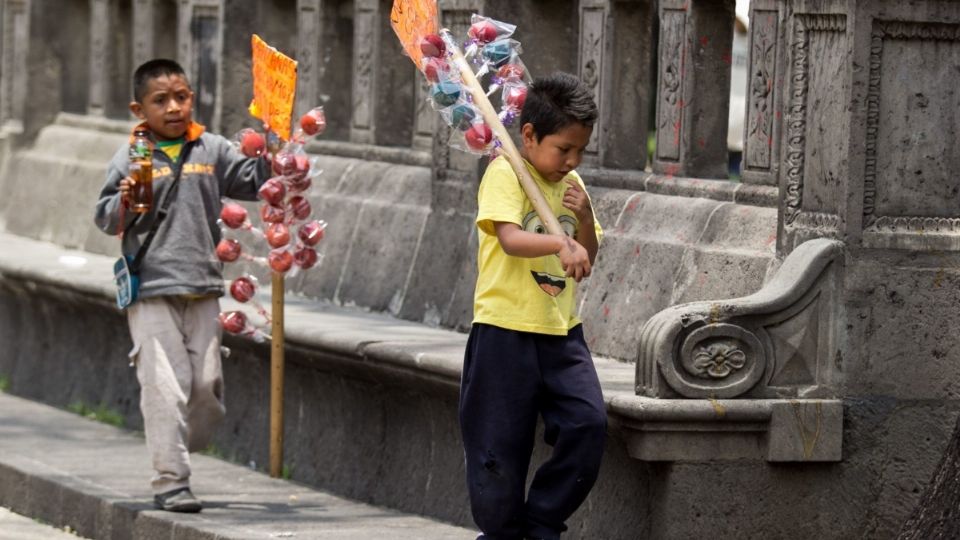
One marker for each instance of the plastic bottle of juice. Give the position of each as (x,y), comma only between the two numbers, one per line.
(141,171)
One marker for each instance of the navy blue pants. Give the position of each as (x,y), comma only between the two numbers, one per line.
(510,378)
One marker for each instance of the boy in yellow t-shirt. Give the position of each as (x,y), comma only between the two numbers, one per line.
(526,356)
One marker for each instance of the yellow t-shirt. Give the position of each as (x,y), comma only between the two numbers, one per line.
(519,293)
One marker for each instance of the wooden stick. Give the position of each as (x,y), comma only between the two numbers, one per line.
(276,378)
(508,149)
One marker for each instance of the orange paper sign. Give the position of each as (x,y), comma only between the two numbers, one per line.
(274,87)
(411,20)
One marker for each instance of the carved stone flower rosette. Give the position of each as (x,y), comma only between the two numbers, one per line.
(717,360)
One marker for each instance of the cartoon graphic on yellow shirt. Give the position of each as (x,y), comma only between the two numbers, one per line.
(520,293)
(549,283)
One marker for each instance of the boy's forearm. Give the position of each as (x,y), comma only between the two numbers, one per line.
(519,243)
(107,214)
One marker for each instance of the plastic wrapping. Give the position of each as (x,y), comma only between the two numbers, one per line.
(243,288)
(495,58)
(229,250)
(236,322)
(278,235)
(251,143)
(314,122)
(285,208)
(312,232)
(485,30)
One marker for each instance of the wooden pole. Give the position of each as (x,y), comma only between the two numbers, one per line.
(276,378)
(508,149)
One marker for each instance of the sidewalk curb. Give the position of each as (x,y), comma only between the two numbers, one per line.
(70,471)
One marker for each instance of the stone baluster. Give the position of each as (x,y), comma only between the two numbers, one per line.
(111,49)
(383,81)
(324,69)
(144,31)
(615,62)
(13,69)
(151,37)
(455,172)
(199,52)
(765,89)
(696,39)
(310,19)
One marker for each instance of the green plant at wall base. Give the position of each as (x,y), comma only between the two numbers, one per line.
(4,383)
(100,413)
(286,472)
(214,451)
(651,146)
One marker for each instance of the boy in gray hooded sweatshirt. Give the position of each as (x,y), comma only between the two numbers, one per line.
(173,323)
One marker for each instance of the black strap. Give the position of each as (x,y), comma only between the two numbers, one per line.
(162,210)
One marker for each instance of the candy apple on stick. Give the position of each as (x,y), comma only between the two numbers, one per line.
(412,27)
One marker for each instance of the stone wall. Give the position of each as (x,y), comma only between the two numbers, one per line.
(849,124)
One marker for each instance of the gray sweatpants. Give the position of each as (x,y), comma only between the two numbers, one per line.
(176,347)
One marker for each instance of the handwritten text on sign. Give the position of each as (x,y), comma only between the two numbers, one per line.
(274,87)
(411,20)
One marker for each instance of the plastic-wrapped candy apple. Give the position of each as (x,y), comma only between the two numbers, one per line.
(301,167)
(511,72)
(272,214)
(483,31)
(284,163)
(305,257)
(498,52)
(462,116)
(299,184)
(228,250)
(445,93)
(435,69)
(314,122)
(300,208)
(234,322)
(252,144)
(280,260)
(278,235)
(311,232)
(242,289)
(479,136)
(233,215)
(273,191)
(433,46)
(515,95)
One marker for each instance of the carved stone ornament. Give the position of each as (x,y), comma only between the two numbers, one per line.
(724,349)
(670,122)
(804,25)
(759,140)
(717,360)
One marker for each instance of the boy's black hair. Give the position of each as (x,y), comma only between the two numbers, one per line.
(556,101)
(151,69)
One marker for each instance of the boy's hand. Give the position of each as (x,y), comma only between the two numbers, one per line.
(575,199)
(126,186)
(574,259)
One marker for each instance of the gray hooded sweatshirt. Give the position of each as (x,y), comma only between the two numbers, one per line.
(181,259)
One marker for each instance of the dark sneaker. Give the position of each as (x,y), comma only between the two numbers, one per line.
(178,500)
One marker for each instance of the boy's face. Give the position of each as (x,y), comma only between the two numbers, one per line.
(167,106)
(558,153)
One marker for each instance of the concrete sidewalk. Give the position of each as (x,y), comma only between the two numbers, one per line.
(16,527)
(69,471)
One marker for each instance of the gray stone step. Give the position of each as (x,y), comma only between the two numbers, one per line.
(16,527)
(70,471)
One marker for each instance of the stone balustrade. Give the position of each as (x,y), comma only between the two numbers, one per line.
(849,142)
